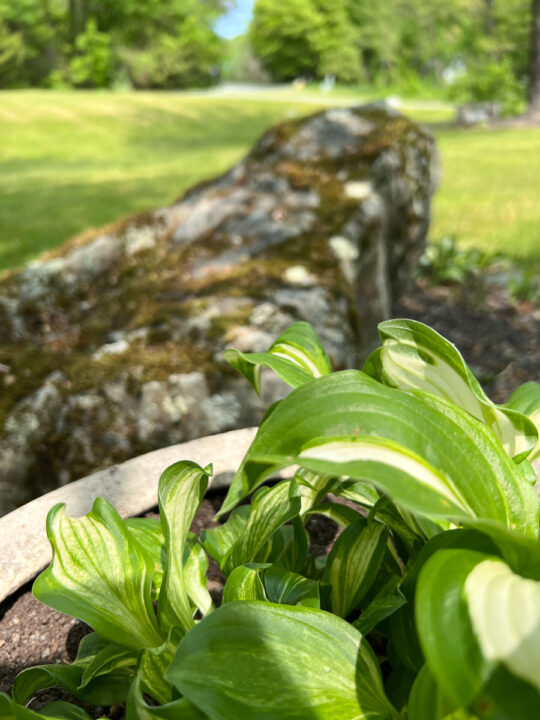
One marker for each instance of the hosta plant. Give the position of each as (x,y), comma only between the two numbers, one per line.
(427,606)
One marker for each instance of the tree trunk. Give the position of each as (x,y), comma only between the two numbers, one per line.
(489,21)
(77,17)
(534,89)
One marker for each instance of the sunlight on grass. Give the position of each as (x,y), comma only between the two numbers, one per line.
(74,160)
(490,190)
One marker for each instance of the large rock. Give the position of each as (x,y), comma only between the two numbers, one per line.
(112,346)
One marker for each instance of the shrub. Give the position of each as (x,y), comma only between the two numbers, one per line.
(93,63)
(188,59)
(492,81)
(426,607)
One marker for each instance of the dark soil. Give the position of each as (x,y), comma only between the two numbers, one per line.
(500,341)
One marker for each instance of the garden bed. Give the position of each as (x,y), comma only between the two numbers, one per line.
(33,634)
(500,340)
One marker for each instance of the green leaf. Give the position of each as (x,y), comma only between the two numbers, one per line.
(383,605)
(526,399)
(312,488)
(341,514)
(110,689)
(504,609)
(416,357)
(64,710)
(505,697)
(427,701)
(521,553)
(60,710)
(150,680)
(100,575)
(452,651)
(180,492)
(218,542)
(148,533)
(290,588)
(261,661)
(152,665)
(294,554)
(270,509)
(195,567)
(112,658)
(353,563)
(412,445)
(244,583)
(297,357)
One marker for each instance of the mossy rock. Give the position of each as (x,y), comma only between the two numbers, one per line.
(111,345)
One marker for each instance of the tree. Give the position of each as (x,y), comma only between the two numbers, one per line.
(305,37)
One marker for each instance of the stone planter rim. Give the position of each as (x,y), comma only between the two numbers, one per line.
(130,486)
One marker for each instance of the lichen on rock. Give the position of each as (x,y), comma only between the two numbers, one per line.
(112,345)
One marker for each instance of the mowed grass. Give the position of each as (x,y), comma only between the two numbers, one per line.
(74,160)
(489,194)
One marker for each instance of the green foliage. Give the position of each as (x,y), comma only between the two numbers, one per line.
(438,567)
(491,81)
(445,262)
(188,59)
(164,43)
(316,39)
(93,63)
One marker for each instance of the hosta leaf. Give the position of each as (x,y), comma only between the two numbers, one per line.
(149,535)
(290,588)
(419,447)
(64,710)
(404,475)
(261,661)
(294,554)
(491,616)
(218,542)
(446,635)
(341,514)
(505,697)
(100,575)
(504,609)
(521,553)
(270,509)
(353,564)
(110,689)
(383,605)
(195,567)
(10,710)
(150,680)
(526,399)
(312,488)
(427,701)
(180,492)
(297,356)
(416,357)
(152,665)
(112,658)
(244,583)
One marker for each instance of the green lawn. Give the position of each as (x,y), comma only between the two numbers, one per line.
(74,160)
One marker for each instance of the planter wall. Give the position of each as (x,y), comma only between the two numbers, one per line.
(131,487)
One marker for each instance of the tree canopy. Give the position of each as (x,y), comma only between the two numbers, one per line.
(90,43)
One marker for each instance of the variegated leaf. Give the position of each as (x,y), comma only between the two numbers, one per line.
(100,575)
(180,492)
(415,357)
(297,356)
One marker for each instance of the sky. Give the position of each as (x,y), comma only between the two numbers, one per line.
(236,21)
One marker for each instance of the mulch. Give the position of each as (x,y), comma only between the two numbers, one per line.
(499,340)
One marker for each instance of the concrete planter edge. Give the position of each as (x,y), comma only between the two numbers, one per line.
(130,486)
